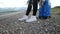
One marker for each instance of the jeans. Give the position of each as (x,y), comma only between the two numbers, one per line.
(34,4)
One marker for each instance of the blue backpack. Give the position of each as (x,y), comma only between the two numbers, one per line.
(44,11)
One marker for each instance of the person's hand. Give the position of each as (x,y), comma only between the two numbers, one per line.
(28,2)
(43,0)
(41,3)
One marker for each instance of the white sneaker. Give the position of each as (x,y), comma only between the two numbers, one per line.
(25,17)
(31,19)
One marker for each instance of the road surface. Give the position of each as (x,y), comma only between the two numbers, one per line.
(9,24)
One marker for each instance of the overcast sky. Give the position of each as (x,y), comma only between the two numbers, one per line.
(23,3)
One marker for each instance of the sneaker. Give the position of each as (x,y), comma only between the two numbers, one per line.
(25,17)
(31,19)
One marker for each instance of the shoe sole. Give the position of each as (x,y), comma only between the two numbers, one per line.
(31,22)
(21,21)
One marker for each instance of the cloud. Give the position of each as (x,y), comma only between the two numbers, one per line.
(23,3)
(13,3)
(55,3)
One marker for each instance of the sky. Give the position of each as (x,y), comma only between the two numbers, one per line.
(23,3)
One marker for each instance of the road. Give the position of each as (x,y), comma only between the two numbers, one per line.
(9,24)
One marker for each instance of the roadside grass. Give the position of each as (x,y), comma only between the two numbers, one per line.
(56,10)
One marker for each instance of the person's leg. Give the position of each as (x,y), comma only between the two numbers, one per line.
(25,17)
(29,8)
(35,3)
(33,17)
